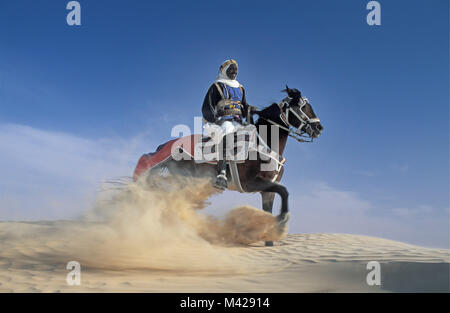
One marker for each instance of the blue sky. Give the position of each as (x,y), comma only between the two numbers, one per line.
(134,69)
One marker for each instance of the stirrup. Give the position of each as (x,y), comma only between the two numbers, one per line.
(222,176)
(221,182)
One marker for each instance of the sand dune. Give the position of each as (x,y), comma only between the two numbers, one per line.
(298,263)
(148,241)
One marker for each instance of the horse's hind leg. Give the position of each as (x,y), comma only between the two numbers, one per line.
(267,204)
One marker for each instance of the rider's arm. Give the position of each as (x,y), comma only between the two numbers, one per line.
(209,104)
(247,110)
(244,105)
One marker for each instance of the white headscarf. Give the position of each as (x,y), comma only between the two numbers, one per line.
(223,78)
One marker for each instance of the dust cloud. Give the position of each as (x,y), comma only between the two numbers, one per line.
(140,227)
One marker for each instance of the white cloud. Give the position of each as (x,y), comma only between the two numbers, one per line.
(41,169)
(421,210)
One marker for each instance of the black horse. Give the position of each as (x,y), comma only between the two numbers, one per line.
(293,117)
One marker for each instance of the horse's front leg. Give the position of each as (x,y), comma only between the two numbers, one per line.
(267,205)
(267,201)
(261,185)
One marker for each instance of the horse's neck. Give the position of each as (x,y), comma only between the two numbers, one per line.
(282,137)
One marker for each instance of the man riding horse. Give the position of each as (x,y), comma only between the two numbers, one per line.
(226,109)
(225,106)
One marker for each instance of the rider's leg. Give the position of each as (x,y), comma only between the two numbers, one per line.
(222,169)
(221,179)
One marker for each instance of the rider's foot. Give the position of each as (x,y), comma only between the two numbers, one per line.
(221,181)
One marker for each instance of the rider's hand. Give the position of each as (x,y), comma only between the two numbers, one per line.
(252,109)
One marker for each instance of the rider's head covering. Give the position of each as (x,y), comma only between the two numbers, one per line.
(223,78)
(225,65)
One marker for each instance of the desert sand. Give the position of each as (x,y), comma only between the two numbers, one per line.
(161,242)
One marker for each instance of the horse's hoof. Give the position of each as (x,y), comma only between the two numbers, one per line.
(283,218)
(269,243)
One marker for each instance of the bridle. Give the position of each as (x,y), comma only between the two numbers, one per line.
(298,133)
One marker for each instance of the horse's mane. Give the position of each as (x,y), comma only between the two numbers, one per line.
(273,111)
(269,110)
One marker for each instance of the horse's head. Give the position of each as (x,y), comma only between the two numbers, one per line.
(295,115)
(298,115)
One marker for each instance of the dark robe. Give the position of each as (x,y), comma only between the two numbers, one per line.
(212,98)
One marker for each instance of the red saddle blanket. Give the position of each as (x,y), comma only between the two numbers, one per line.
(164,153)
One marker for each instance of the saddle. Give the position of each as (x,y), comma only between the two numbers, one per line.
(203,150)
